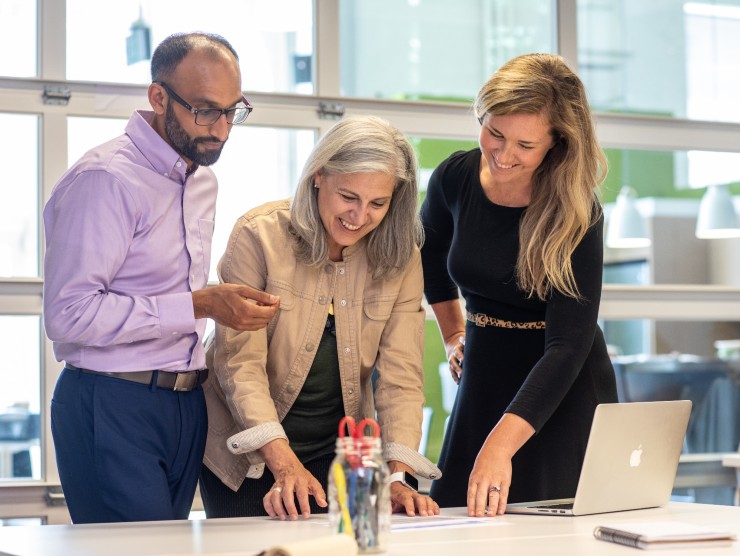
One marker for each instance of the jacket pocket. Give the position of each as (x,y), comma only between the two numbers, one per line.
(378,308)
(376,312)
(287,303)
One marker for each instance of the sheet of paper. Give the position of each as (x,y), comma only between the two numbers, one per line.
(405,523)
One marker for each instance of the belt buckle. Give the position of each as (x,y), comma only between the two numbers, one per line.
(480,319)
(185,382)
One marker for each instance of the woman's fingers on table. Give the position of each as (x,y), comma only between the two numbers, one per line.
(273,503)
(410,502)
(488,487)
(280,501)
(487,498)
(502,500)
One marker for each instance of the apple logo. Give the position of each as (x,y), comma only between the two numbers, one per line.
(635,456)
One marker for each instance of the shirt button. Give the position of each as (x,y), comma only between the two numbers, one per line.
(178,163)
(343,303)
(341,271)
(346,350)
(309,347)
(166,175)
(290,389)
(328,269)
(351,391)
(322,300)
(235,445)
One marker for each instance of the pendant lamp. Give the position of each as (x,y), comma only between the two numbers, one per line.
(717,216)
(627,227)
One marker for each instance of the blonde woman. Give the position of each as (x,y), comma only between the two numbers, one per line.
(343,258)
(516,226)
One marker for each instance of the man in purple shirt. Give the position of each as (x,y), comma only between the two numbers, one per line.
(128,234)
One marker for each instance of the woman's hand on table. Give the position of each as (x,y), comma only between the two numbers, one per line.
(488,486)
(292,481)
(405,499)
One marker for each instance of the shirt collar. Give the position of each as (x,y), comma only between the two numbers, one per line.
(164,159)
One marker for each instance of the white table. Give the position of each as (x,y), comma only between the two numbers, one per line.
(511,534)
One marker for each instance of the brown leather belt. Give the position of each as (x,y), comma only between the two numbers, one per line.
(185,381)
(481,319)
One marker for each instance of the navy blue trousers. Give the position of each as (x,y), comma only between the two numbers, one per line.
(126,451)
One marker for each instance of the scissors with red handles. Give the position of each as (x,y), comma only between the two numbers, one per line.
(357,431)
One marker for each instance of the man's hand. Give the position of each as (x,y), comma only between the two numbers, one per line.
(236,306)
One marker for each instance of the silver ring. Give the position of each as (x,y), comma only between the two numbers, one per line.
(494,489)
(277,489)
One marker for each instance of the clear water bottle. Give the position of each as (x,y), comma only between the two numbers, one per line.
(359,495)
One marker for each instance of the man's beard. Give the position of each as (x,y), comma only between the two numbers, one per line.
(186,146)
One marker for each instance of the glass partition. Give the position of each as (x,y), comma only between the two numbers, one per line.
(670,185)
(430,152)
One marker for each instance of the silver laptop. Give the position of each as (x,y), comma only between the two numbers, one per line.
(631,460)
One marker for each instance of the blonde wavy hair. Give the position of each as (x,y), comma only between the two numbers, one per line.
(361,144)
(563,205)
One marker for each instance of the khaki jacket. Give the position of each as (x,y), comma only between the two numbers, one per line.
(257,376)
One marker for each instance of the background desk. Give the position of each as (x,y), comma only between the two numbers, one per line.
(510,534)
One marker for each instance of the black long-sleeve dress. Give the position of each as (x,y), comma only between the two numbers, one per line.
(552,377)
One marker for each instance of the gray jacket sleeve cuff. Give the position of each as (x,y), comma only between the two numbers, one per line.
(254,438)
(393,451)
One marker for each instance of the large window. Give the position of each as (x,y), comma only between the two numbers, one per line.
(20,403)
(432,49)
(674,58)
(19,255)
(18,38)
(274,39)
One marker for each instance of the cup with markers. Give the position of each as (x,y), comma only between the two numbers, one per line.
(359,495)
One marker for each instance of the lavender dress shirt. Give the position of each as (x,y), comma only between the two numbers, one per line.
(128,238)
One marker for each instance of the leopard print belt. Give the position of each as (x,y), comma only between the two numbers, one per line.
(481,319)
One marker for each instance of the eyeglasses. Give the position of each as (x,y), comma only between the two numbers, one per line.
(209,116)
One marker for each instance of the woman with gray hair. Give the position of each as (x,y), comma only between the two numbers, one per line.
(343,257)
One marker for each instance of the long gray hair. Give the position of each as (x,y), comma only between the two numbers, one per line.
(353,145)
